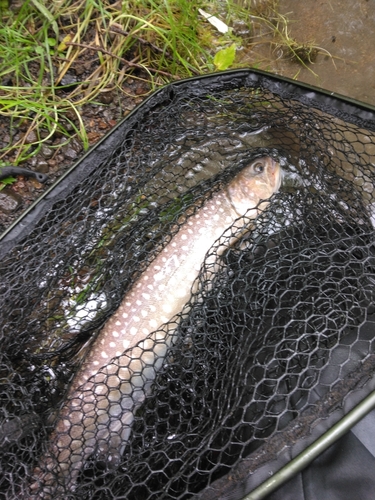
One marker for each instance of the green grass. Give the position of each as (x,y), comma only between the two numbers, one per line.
(154,40)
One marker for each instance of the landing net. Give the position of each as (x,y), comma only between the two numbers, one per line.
(273,348)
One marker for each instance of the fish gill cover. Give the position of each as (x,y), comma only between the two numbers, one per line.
(275,343)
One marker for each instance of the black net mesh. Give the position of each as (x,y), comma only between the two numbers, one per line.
(276,336)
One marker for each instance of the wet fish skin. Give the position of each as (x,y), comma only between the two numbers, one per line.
(119,370)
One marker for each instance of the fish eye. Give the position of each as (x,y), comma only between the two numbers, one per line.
(258,167)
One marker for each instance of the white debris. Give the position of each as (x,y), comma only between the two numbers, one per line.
(215,21)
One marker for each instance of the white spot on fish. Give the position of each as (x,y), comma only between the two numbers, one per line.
(153,308)
(112,344)
(136,319)
(133,330)
(126,343)
(153,323)
(167,308)
(124,315)
(104,355)
(183,236)
(99,389)
(144,313)
(173,281)
(150,287)
(146,296)
(139,303)
(115,334)
(181,292)
(118,323)
(96,362)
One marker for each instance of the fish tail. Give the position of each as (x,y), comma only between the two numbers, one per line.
(98,417)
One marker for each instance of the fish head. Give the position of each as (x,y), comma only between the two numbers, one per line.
(257,181)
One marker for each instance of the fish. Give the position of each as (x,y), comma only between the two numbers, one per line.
(119,370)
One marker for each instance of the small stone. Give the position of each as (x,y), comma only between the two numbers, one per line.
(71,115)
(70,153)
(108,114)
(60,159)
(31,137)
(35,184)
(102,124)
(69,79)
(67,126)
(140,91)
(93,137)
(42,166)
(9,201)
(105,97)
(99,110)
(47,152)
(44,134)
(71,150)
(79,69)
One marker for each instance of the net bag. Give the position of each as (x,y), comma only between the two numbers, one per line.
(274,344)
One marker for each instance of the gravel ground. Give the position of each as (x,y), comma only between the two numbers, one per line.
(99,118)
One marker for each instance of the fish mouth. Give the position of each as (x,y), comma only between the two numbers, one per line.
(275,178)
(280,178)
(277,173)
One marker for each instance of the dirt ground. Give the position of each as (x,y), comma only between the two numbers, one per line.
(344,28)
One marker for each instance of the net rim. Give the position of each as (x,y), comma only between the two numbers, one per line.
(336,104)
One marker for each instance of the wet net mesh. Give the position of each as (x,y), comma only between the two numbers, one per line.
(272,343)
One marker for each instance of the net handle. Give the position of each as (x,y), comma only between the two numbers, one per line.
(314,450)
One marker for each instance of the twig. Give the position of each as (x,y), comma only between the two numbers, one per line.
(116,29)
(128,63)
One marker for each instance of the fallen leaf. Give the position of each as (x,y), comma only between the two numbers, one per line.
(225,57)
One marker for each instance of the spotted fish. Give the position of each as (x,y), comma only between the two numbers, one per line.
(121,367)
